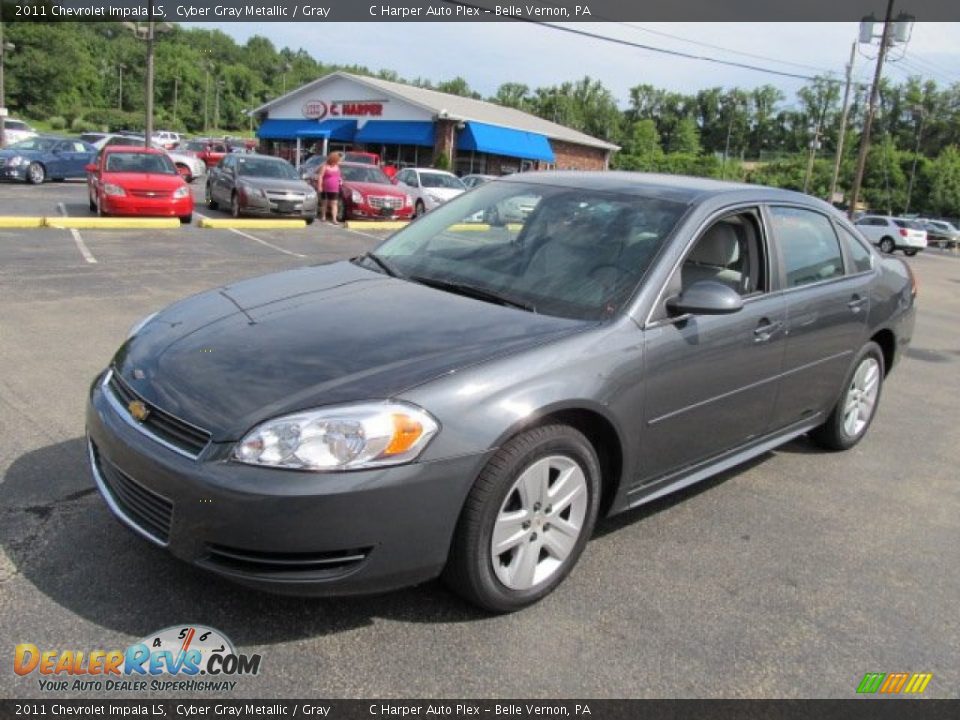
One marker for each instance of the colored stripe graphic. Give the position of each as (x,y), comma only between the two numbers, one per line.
(871,682)
(918,683)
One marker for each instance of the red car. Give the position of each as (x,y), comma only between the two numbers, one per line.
(365,192)
(366,158)
(138,181)
(210,151)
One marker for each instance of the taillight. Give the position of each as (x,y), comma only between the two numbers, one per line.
(903,232)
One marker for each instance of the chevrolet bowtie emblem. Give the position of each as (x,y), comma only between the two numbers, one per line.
(138,410)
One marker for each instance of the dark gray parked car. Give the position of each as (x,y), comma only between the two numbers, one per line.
(260,185)
(467,400)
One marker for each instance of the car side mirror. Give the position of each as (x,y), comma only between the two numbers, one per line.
(706,297)
(90,167)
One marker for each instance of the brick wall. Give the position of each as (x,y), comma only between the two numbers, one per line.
(577,157)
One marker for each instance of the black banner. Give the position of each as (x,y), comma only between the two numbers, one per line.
(853,709)
(551,11)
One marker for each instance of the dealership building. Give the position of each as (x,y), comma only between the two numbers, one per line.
(412,126)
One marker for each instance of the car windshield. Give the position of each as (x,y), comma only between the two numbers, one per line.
(131,162)
(370,174)
(37,144)
(360,158)
(195,146)
(266,167)
(441,180)
(578,253)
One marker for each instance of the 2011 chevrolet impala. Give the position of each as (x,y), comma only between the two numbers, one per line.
(466,400)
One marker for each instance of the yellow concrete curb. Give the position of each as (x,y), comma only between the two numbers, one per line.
(376,224)
(111,223)
(251,224)
(11,221)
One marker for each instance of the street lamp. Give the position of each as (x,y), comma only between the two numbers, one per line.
(147,32)
(5,47)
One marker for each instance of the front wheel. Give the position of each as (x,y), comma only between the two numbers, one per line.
(526,520)
(854,411)
(36,173)
(235,205)
(186,219)
(211,203)
(419,209)
(887,246)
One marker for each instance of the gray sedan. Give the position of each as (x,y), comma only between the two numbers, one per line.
(467,400)
(260,185)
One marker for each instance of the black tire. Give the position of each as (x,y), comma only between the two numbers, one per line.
(419,209)
(341,213)
(235,205)
(910,253)
(311,219)
(211,203)
(469,571)
(832,435)
(100,210)
(887,245)
(93,205)
(36,173)
(186,219)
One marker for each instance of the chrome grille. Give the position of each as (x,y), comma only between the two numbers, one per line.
(153,194)
(177,434)
(384,202)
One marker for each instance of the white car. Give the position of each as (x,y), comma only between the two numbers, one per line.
(893,233)
(15,131)
(190,167)
(168,139)
(429,188)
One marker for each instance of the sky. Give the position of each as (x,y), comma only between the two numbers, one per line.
(489,54)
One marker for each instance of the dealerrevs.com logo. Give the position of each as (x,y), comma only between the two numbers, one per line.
(190,658)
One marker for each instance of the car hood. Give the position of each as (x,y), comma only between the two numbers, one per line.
(230,358)
(368,188)
(11,153)
(152,181)
(275,184)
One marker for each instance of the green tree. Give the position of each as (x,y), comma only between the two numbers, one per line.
(685,139)
(944,182)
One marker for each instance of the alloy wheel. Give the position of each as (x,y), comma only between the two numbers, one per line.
(539,522)
(861,397)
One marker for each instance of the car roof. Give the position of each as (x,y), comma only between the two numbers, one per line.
(347,163)
(432,170)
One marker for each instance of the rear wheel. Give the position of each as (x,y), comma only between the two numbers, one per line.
(910,253)
(526,520)
(854,411)
(887,245)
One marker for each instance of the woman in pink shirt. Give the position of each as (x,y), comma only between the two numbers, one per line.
(328,185)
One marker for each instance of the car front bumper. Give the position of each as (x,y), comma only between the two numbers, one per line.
(135,205)
(268,207)
(14,172)
(291,532)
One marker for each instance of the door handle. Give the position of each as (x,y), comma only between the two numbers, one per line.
(766,330)
(856,303)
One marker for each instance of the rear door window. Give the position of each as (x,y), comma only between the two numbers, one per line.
(808,245)
(859,254)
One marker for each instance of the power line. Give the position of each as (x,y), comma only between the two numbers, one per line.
(651,48)
(721,48)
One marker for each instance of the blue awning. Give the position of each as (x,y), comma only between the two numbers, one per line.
(504,141)
(396,132)
(335,129)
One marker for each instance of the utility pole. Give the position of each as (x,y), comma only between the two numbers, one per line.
(5,47)
(206,99)
(871,110)
(148,132)
(843,124)
(726,148)
(919,111)
(176,88)
(216,106)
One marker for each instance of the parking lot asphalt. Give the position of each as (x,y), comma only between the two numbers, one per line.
(792,576)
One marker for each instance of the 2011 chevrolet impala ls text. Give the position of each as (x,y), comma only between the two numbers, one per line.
(466,400)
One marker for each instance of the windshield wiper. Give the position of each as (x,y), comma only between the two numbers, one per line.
(381,263)
(473,291)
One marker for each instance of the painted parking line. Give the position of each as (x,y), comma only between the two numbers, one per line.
(82,246)
(248,236)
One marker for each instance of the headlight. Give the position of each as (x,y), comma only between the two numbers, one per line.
(139,325)
(16,161)
(356,197)
(310,195)
(251,191)
(340,438)
(181,192)
(113,190)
